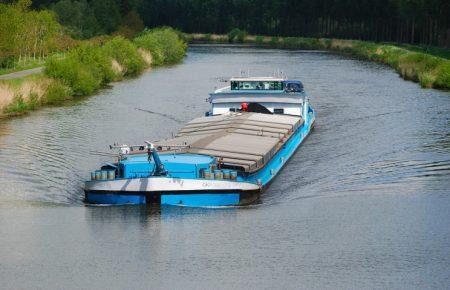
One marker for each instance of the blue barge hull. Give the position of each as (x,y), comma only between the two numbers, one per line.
(205,197)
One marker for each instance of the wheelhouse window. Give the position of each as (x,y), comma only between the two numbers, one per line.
(257,85)
(294,87)
(278,111)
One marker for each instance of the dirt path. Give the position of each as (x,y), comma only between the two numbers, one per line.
(22,73)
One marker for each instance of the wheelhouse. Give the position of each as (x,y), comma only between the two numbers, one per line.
(264,95)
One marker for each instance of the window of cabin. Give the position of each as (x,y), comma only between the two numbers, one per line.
(278,111)
(257,85)
(294,87)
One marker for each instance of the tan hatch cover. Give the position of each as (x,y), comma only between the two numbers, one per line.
(242,140)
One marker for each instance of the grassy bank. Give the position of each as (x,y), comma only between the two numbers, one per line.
(89,67)
(413,63)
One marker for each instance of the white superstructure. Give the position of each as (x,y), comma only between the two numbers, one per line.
(277,95)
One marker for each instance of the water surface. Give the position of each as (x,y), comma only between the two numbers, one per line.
(363,204)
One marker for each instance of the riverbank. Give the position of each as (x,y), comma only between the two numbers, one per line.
(431,71)
(89,67)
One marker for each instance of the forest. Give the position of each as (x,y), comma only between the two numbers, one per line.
(33,29)
(405,21)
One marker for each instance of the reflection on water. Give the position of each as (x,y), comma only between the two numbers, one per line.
(363,204)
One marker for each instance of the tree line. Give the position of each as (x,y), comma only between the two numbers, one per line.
(407,21)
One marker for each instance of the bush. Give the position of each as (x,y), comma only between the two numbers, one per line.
(413,64)
(302,43)
(237,35)
(390,55)
(241,36)
(17,106)
(126,54)
(426,79)
(233,34)
(33,101)
(274,41)
(443,76)
(77,75)
(84,69)
(164,44)
(56,93)
(259,39)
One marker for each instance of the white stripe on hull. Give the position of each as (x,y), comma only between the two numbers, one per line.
(167,184)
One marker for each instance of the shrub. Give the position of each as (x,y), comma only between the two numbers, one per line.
(274,41)
(33,101)
(391,55)
(443,76)
(242,34)
(56,93)
(302,43)
(17,106)
(237,35)
(259,39)
(126,54)
(233,34)
(77,75)
(84,69)
(413,64)
(208,37)
(98,60)
(164,44)
(426,79)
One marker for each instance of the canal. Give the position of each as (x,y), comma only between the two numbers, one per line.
(364,203)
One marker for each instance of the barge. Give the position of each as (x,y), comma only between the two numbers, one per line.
(226,158)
